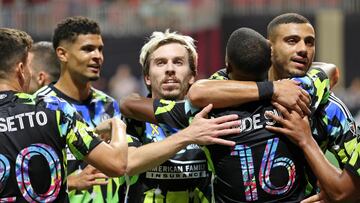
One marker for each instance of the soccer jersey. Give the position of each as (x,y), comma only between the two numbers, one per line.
(333,126)
(353,164)
(95,109)
(263,166)
(33,134)
(183,178)
(334,129)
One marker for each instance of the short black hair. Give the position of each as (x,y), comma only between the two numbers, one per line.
(45,59)
(14,46)
(285,19)
(249,53)
(71,27)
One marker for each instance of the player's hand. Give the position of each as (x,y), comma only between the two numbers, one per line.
(204,131)
(318,198)
(295,127)
(87,178)
(104,129)
(289,94)
(314,199)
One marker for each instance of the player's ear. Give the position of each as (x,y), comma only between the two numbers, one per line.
(61,53)
(20,73)
(228,67)
(269,42)
(41,79)
(147,80)
(192,79)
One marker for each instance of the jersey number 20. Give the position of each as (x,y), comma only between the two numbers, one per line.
(22,173)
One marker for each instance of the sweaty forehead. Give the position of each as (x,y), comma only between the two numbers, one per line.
(302,30)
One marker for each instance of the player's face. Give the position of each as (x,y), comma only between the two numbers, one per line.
(293,49)
(169,72)
(84,57)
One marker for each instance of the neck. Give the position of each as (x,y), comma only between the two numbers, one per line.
(7,85)
(273,74)
(181,97)
(73,89)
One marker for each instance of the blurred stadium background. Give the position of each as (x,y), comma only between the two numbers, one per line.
(126,24)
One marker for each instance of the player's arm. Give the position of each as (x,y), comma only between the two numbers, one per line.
(202,131)
(225,93)
(86,178)
(222,93)
(111,158)
(338,186)
(138,107)
(83,142)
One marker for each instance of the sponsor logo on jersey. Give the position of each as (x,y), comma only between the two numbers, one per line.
(180,170)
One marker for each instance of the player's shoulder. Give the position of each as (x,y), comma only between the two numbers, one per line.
(46,90)
(336,104)
(220,75)
(25,98)
(55,103)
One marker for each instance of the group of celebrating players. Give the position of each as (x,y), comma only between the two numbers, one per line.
(255,131)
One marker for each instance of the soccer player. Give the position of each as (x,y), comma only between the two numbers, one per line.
(35,130)
(78,45)
(169,62)
(44,65)
(228,185)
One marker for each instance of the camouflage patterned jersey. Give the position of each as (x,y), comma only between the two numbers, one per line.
(33,135)
(183,178)
(263,166)
(97,108)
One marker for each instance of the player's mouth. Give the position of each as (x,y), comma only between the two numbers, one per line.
(94,67)
(300,62)
(170,83)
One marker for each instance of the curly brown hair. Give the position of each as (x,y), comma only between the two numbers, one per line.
(71,27)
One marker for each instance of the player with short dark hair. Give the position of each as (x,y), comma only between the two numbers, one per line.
(35,130)
(44,64)
(253,64)
(79,48)
(292,38)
